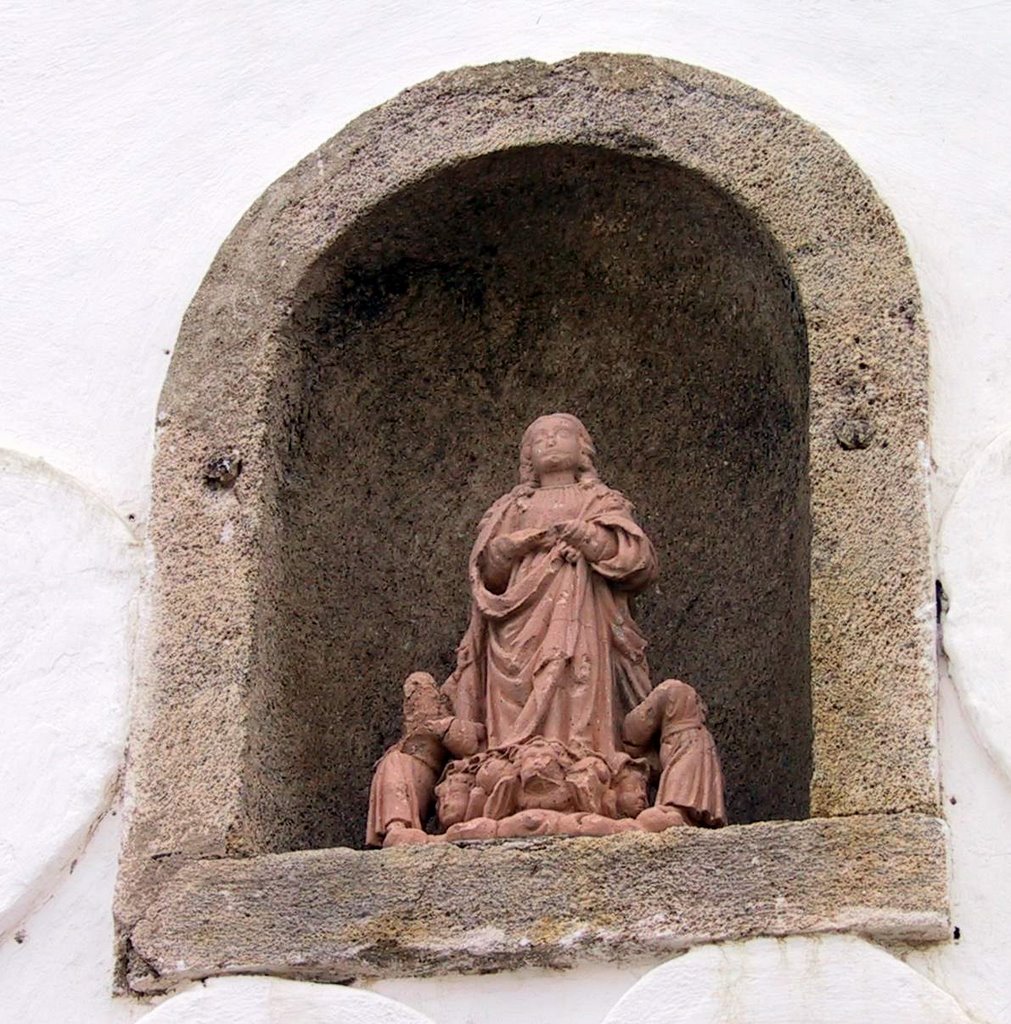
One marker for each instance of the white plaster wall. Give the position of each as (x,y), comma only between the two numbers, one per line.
(831,979)
(135,135)
(70,577)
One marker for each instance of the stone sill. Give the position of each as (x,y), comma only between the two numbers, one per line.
(339,914)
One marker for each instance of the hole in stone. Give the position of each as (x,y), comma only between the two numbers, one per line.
(623,289)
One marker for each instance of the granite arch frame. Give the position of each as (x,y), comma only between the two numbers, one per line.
(192,902)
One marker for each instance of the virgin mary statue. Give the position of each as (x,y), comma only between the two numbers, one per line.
(525,737)
(551,649)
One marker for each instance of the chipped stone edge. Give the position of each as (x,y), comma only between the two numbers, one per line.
(341,922)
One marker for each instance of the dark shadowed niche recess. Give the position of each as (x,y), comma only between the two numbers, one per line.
(626,290)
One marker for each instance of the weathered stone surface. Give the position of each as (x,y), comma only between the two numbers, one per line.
(679,231)
(340,914)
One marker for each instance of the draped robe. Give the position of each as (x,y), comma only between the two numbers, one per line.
(692,778)
(556,653)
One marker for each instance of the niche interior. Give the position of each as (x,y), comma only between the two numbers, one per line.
(625,289)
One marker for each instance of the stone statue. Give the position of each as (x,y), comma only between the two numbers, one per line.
(548,723)
(406,775)
(690,791)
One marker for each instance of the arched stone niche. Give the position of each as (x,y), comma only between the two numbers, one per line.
(712,284)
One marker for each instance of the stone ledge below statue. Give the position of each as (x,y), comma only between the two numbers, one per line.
(339,914)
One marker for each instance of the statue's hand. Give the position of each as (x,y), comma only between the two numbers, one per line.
(436,727)
(569,553)
(573,531)
(502,549)
(462,738)
(591,541)
(431,728)
(511,546)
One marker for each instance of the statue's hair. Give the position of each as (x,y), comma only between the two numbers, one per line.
(586,472)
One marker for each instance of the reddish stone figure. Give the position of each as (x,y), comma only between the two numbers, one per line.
(550,668)
(405,776)
(552,649)
(691,781)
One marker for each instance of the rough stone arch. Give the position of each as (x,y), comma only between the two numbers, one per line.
(243,386)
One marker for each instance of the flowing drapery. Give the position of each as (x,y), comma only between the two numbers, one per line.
(557,653)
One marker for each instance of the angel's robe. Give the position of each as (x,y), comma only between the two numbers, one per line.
(556,653)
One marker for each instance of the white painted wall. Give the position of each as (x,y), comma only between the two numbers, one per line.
(135,135)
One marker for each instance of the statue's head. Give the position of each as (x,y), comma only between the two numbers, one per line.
(422,700)
(542,765)
(452,796)
(683,702)
(553,442)
(630,788)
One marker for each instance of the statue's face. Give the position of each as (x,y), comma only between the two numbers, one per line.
(540,769)
(453,795)
(554,445)
(630,794)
